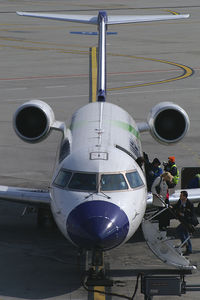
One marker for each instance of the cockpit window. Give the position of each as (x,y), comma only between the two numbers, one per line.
(83,181)
(134,179)
(80,181)
(63,178)
(112,182)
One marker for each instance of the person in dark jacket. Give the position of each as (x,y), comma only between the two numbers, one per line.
(152,170)
(185,213)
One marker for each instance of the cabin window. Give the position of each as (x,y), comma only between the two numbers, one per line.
(134,179)
(62,179)
(83,182)
(113,182)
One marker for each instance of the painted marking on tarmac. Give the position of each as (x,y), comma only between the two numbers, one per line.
(55,86)
(172,12)
(15,89)
(152,91)
(110,93)
(187,71)
(97,295)
(3,38)
(46,77)
(92,74)
(43,77)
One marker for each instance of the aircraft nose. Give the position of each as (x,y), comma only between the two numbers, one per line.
(97,224)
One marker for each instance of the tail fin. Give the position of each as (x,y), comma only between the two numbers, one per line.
(102,20)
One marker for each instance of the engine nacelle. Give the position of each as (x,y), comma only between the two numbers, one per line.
(168,122)
(33,120)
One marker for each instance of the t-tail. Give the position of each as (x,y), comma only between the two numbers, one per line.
(102,21)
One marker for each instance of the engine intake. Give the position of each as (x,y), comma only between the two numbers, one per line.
(33,120)
(168,122)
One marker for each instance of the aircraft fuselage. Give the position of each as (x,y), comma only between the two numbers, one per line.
(98,191)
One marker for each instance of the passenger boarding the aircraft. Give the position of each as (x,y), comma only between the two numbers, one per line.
(186,215)
(140,161)
(153,170)
(161,198)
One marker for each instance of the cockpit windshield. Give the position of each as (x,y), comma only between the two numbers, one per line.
(112,182)
(83,181)
(92,182)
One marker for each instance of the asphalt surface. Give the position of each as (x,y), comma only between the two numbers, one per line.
(43,59)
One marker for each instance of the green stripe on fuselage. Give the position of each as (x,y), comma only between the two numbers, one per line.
(127,127)
(120,124)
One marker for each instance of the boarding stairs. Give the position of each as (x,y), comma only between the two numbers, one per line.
(163,246)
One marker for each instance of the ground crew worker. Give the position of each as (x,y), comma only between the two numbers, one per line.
(172,168)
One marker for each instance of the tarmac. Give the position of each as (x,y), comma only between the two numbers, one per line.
(43,59)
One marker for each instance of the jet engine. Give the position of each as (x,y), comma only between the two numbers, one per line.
(33,120)
(168,122)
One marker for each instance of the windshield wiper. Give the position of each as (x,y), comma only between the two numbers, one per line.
(96,192)
(108,197)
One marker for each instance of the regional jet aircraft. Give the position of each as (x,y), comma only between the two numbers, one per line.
(98,193)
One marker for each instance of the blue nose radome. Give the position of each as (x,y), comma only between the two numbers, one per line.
(97,224)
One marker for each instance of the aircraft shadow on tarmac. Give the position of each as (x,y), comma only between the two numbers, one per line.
(35,263)
(39,263)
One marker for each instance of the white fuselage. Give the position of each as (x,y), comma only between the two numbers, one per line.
(104,140)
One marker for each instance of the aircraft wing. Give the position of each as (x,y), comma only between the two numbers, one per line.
(25,195)
(193,196)
(88,19)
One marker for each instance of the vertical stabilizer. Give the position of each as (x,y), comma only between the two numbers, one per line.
(102,28)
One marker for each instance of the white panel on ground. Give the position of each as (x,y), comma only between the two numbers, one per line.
(163,247)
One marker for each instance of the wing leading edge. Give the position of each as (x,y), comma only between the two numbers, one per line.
(25,195)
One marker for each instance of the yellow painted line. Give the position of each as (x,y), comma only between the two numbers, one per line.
(187,71)
(94,73)
(43,43)
(172,12)
(59,50)
(97,295)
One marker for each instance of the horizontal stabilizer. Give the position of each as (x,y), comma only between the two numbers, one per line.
(70,18)
(147,18)
(110,20)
